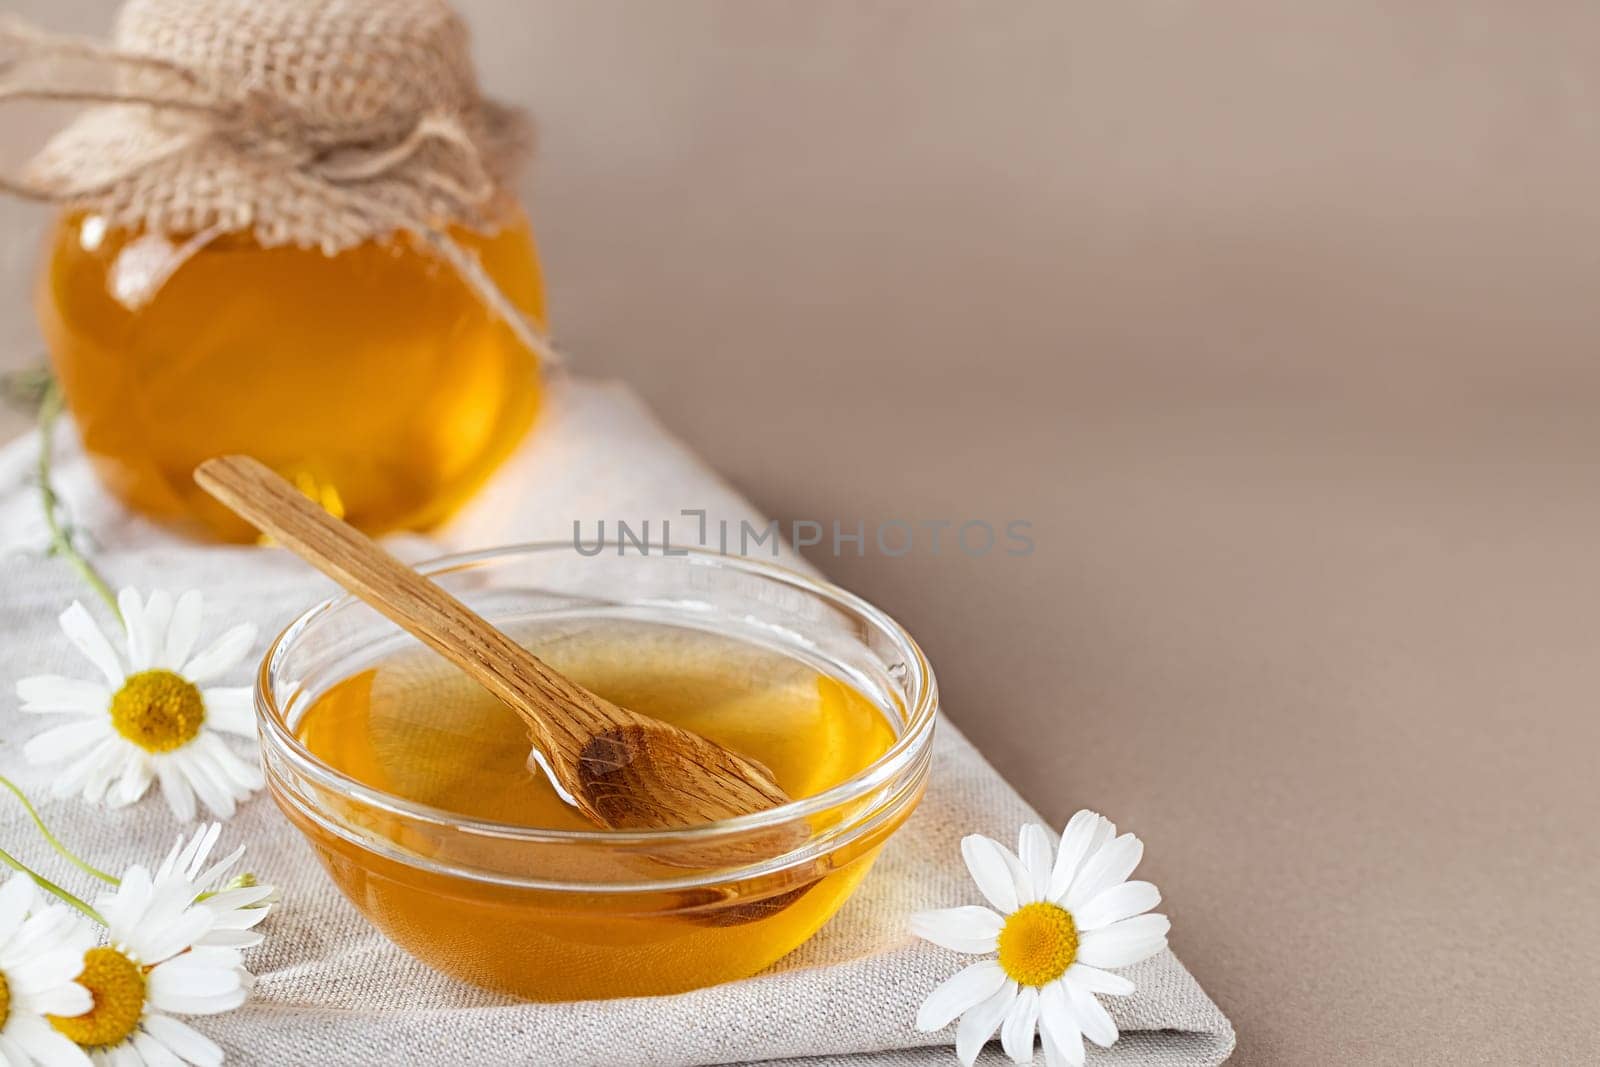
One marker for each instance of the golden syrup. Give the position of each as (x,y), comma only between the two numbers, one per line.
(413,727)
(374,379)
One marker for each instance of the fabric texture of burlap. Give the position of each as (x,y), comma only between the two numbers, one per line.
(320,125)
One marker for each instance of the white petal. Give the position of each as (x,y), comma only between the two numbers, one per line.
(11,1052)
(979,1024)
(216,959)
(170,863)
(86,637)
(48,969)
(966,989)
(184,1040)
(245,896)
(65,741)
(969,929)
(154,946)
(1106,868)
(169,979)
(30,954)
(54,924)
(1063,1041)
(17,896)
(238,919)
(231,709)
(1124,943)
(996,871)
(197,772)
(108,767)
(154,1052)
(139,638)
(157,620)
(232,938)
(200,1003)
(134,783)
(68,1000)
(195,851)
(1033,848)
(1092,1017)
(91,772)
(124,908)
(43,1043)
(183,631)
(1016,1033)
(1085,833)
(237,776)
(204,972)
(50,693)
(1094,980)
(1121,901)
(124,1055)
(168,919)
(1057,1054)
(175,789)
(222,656)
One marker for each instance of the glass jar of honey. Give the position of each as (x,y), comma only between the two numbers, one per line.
(375,378)
(288,230)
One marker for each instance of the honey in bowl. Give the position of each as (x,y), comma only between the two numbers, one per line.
(375,379)
(414,726)
(411,726)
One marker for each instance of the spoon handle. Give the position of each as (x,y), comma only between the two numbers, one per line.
(561,713)
(624,770)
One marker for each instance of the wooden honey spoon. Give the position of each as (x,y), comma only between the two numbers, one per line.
(624,770)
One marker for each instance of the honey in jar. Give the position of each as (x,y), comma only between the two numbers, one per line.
(411,726)
(290,230)
(374,378)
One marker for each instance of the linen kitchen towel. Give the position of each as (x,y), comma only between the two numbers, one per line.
(334,991)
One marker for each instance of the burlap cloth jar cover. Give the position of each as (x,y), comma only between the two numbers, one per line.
(333,991)
(297,122)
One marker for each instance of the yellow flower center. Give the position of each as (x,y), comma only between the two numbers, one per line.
(117,985)
(158,710)
(5,1001)
(1038,943)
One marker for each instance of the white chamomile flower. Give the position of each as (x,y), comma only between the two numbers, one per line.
(41,952)
(173,951)
(236,906)
(152,715)
(1057,921)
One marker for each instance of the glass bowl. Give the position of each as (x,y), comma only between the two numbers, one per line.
(521,910)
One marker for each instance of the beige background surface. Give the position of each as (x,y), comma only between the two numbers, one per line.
(1278,323)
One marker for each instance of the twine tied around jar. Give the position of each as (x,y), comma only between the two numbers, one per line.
(317,125)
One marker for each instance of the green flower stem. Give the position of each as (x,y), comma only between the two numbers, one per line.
(60,538)
(50,887)
(55,842)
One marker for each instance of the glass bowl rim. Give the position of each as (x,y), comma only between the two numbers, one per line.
(915,736)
